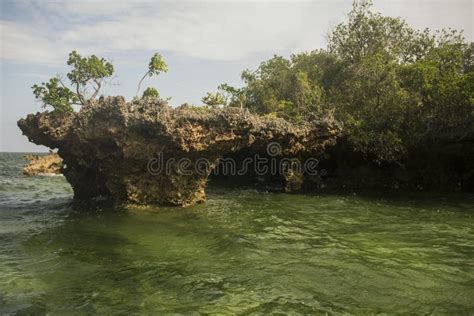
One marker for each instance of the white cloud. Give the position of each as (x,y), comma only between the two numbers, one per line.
(224,30)
(435,14)
(103,7)
(34,75)
(21,43)
(208,30)
(211,30)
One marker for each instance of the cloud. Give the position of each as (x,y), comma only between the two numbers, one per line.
(34,75)
(21,43)
(206,30)
(99,8)
(213,30)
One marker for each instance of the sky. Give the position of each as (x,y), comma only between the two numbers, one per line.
(204,43)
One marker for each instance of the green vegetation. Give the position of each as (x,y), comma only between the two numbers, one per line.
(156,66)
(393,87)
(213,99)
(54,94)
(150,92)
(399,93)
(87,72)
(232,96)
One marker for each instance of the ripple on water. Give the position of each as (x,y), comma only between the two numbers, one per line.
(241,252)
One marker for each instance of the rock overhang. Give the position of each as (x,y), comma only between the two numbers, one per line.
(107,146)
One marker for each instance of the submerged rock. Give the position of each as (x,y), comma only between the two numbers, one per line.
(43,165)
(147,152)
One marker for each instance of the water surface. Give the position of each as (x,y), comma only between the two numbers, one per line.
(241,252)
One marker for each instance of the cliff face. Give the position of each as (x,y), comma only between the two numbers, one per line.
(134,152)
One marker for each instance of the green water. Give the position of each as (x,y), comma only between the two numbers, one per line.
(242,252)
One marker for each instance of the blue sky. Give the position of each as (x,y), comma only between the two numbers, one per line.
(205,43)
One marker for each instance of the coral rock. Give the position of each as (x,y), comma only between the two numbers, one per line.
(113,148)
(45,165)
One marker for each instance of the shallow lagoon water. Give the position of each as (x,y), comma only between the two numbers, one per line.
(242,252)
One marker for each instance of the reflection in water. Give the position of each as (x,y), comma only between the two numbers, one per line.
(241,252)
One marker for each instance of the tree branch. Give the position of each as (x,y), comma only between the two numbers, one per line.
(140,83)
(96,92)
(61,82)
(79,95)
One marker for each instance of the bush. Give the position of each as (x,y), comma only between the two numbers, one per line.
(392,87)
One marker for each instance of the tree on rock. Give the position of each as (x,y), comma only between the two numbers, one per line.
(53,94)
(213,99)
(156,66)
(232,96)
(87,72)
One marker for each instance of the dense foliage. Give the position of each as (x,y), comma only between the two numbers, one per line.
(393,87)
(53,94)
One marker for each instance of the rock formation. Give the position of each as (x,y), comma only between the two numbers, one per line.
(146,152)
(43,165)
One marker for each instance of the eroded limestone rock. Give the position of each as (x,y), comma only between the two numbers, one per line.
(108,146)
(43,165)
